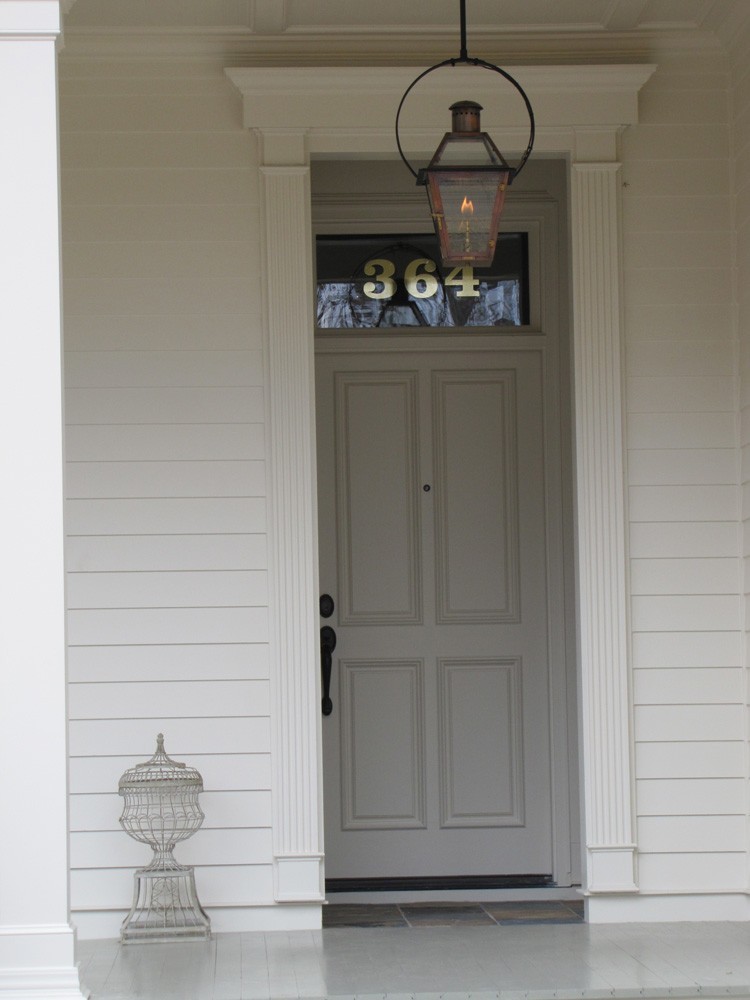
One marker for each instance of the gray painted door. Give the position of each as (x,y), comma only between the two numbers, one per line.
(433,545)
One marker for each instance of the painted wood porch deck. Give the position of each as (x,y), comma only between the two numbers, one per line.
(509,961)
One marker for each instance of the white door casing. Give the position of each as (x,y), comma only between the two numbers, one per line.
(580,112)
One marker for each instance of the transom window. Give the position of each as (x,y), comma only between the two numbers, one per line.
(377,282)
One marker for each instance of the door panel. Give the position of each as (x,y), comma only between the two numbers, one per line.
(382,766)
(481,742)
(433,542)
(476,494)
(378,519)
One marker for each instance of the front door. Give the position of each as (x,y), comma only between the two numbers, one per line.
(433,546)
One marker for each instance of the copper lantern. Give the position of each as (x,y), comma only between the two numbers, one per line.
(466,183)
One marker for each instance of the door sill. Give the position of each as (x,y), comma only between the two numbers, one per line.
(393,890)
(437,883)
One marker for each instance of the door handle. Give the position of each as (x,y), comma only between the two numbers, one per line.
(327,646)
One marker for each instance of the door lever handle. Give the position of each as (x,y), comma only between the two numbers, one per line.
(327,646)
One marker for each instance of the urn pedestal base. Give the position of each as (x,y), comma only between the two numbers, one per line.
(165,908)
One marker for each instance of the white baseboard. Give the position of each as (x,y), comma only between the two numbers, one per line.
(672,908)
(49,984)
(96,924)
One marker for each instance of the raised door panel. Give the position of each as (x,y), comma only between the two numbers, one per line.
(382,745)
(481,742)
(378,516)
(477,551)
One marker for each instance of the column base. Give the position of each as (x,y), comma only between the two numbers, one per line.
(38,960)
(51,984)
(298,878)
(612,869)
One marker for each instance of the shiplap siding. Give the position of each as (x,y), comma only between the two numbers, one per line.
(683,476)
(165,446)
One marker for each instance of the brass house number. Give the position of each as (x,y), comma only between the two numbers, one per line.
(419,279)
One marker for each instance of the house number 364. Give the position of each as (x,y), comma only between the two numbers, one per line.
(419,279)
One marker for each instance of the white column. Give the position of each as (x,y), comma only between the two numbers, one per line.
(609,840)
(36,939)
(285,193)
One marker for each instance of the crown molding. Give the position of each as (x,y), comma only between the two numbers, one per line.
(339,48)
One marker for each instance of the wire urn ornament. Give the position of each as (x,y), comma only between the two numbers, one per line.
(160,809)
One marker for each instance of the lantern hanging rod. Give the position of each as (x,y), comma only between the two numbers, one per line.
(464,59)
(463,56)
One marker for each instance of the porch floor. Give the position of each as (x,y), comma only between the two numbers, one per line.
(525,960)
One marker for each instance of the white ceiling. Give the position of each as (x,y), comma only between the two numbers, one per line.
(345,16)
(400,28)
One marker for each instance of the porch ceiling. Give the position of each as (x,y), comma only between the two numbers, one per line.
(399,30)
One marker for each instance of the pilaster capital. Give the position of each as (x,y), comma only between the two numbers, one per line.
(283,147)
(596,145)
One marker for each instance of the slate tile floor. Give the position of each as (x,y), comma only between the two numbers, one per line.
(452,914)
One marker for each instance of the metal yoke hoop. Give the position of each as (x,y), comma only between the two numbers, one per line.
(463,59)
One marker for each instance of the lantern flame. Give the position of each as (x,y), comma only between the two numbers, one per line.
(467,207)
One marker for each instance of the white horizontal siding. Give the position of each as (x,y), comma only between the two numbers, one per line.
(717,685)
(722,758)
(649,393)
(684,503)
(684,488)
(164,404)
(707,872)
(217,885)
(670,650)
(691,796)
(105,849)
(164,442)
(680,723)
(671,430)
(150,626)
(220,661)
(162,699)
(663,466)
(199,734)
(115,480)
(155,589)
(689,575)
(223,809)
(91,775)
(690,613)
(112,553)
(684,540)
(692,834)
(166,477)
(181,369)
(165,515)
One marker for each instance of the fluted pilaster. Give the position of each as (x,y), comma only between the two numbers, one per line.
(293,534)
(610,851)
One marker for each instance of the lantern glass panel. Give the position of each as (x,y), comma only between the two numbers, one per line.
(457,150)
(466,207)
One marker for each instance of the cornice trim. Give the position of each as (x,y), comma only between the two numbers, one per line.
(332,48)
